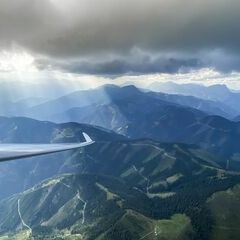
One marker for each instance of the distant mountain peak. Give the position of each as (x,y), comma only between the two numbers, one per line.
(105,86)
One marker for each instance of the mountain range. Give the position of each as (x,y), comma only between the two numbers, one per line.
(163,166)
(137,114)
(44,108)
(117,188)
(218,92)
(107,94)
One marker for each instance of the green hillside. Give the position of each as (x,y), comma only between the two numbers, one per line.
(114,189)
(225,208)
(90,206)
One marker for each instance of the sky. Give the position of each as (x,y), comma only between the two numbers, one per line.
(92,42)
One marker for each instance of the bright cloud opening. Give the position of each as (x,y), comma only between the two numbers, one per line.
(16,62)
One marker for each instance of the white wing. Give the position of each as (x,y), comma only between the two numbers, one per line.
(16,151)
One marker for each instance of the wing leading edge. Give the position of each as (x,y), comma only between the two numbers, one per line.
(15,151)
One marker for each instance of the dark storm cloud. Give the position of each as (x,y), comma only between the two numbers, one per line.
(94,29)
(124,66)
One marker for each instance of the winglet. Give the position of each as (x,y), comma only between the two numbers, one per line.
(87,138)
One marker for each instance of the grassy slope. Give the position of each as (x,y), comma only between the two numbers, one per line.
(225,208)
(22,235)
(137,226)
(130,224)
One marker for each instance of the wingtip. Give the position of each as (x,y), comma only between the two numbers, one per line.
(87,138)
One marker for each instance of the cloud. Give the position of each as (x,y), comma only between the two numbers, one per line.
(137,62)
(204,76)
(98,36)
